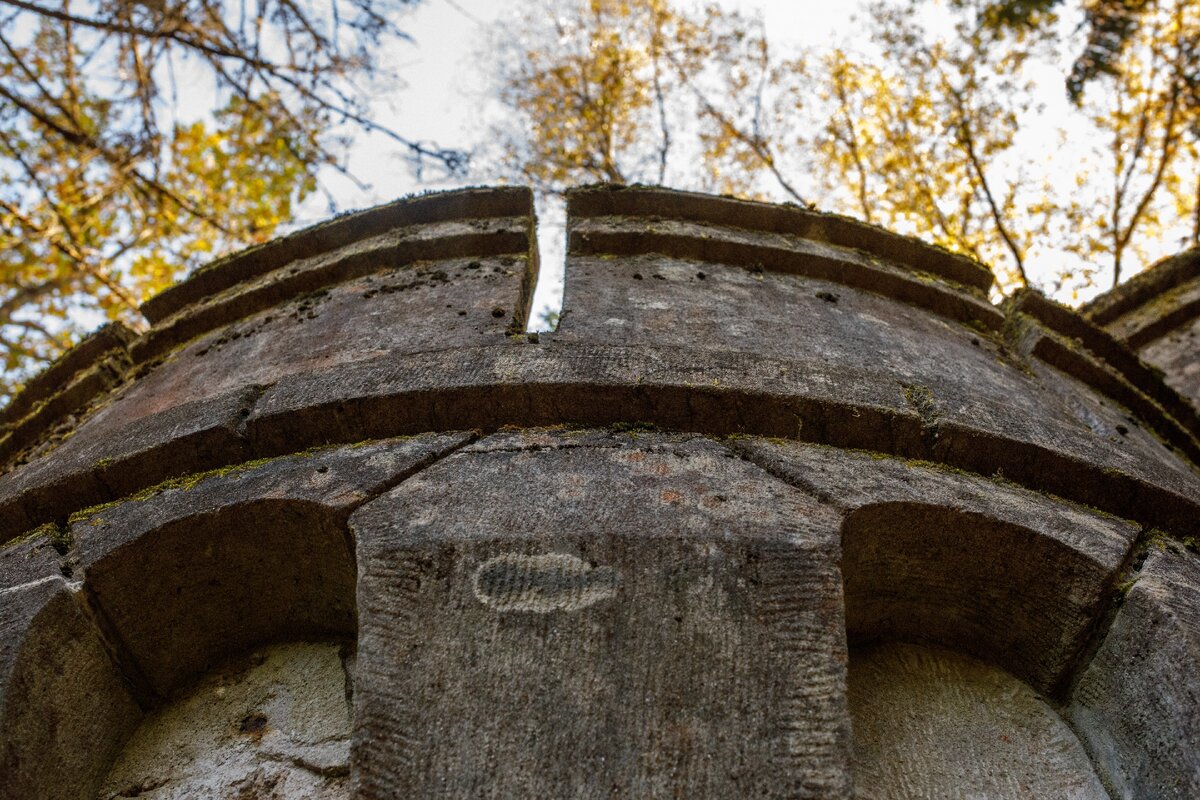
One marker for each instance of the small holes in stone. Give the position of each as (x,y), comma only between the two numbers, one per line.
(253,723)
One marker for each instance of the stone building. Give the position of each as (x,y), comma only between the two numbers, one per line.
(784,508)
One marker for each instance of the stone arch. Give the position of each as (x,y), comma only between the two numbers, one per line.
(991,588)
(170,584)
(958,622)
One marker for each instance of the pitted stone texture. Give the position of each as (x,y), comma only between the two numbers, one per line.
(197,572)
(404,215)
(1137,705)
(663,300)
(939,556)
(976,387)
(579,614)
(932,723)
(400,308)
(274,724)
(1177,354)
(64,709)
(651,205)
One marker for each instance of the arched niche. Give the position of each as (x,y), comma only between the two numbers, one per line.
(186,595)
(1003,592)
(165,587)
(960,625)
(157,608)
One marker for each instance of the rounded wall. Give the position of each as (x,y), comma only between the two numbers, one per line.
(757,431)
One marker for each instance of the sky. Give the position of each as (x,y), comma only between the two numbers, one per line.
(445,100)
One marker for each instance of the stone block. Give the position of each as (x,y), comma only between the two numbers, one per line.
(1137,705)
(64,708)
(339,232)
(681,637)
(937,556)
(842,232)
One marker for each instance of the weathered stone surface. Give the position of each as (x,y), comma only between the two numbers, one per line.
(1172,307)
(936,556)
(392,253)
(108,342)
(682,637)
(743,350)
(344,230)
(122,452)
(978,392)
(779,253)
(971,378)
(1077,330)
(272,724)
(196,402)
(1137,705)
(64,709)
(655,203)
(1063,356)
(1144,287)
(436,305)
(195,573)
(1072,446)
(1157,313)
(1177,354)
(443,272)
(932,723)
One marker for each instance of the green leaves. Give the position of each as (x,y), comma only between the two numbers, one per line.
(138,140)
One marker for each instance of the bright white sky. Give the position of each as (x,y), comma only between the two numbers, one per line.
(445,97)
(445,101)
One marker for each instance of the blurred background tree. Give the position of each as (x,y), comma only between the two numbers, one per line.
(919,128)
(139,138)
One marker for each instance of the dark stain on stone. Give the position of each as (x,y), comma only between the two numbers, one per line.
(254,724)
